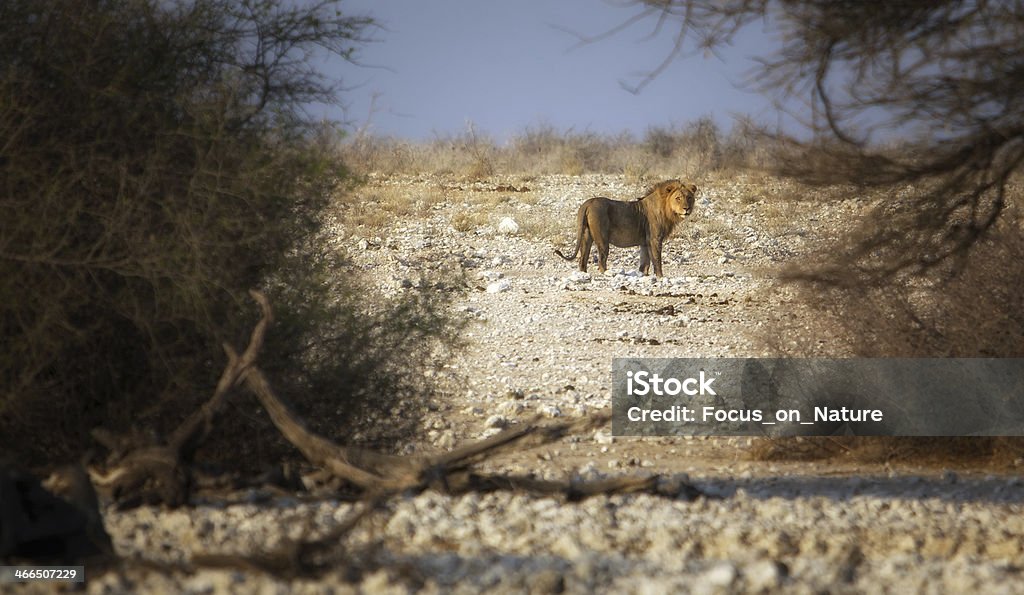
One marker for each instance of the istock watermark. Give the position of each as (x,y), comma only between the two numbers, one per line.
(818,397)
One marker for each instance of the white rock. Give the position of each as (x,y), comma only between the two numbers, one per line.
(719,576)
(590,471)
(497,421)
(762,575)
(551,411)
(508,226)
(499,286)
(511,408)
(490,275)
(488,433)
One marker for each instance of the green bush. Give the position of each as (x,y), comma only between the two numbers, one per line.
(156,163)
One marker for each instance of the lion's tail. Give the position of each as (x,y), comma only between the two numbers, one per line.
(568,258)
(581,220)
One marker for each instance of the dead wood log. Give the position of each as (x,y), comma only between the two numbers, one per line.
(379,473)
(160,474)
(528,435)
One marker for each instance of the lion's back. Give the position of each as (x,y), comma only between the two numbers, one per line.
(617,221)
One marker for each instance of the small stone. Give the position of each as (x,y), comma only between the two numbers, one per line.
(719,576)
(490,275)
(499,286)
(511,408)
(508,226)
(763,575)
(551,411)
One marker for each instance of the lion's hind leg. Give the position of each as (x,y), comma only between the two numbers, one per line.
(585,242)
(601,243)
(602,254)
(598,227)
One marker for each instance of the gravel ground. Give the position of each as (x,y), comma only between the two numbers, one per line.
(540,342)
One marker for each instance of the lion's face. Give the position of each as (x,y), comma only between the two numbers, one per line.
(680,198)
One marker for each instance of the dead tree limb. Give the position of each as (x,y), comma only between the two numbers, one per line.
(194,430)
(161,474)
(379,473)
(364,468)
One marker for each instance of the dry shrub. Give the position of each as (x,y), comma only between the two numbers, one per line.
(637,174)
(145,191)
(689,151)
(466,221)
(970,307)
(368,153)
(539,226)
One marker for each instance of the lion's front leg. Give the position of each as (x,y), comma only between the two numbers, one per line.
(645,259)
(654,247)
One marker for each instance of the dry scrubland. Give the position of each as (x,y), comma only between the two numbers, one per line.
(539,342)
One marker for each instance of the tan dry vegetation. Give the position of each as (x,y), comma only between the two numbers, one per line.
(466,221)
(540,226)
(375,207)
(965,452)
(689,151)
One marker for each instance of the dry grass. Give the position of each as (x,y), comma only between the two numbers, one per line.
(466,221)
(542,227)
(690,151)
(379,206)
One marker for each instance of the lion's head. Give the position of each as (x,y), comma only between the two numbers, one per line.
(676,198)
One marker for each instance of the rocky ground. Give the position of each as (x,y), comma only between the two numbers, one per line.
(540,343)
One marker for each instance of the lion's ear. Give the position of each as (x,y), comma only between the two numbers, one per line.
(692,188)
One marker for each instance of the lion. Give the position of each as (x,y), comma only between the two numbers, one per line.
(646,222)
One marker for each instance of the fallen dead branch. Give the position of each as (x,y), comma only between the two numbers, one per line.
(162,474)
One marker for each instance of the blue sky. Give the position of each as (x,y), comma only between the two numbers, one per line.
(504,66)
